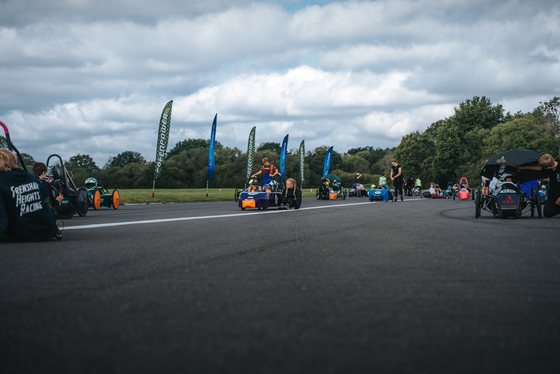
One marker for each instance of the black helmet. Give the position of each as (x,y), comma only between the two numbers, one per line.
(255,181)
(52,173)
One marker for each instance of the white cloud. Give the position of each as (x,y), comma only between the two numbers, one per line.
(93,77)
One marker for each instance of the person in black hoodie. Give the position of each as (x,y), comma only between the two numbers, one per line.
(24,215)
(291,195)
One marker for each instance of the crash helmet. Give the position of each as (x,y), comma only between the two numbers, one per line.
(373,186)
(273,185)
(507,175)
(52,173)
(91,184)
(254,181)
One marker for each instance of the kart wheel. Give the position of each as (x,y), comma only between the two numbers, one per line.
(453,193)
(243,208)
(96,199)
(472,193)
(115,199)
(82,202)
(538,203)
(236,195)
(477,203)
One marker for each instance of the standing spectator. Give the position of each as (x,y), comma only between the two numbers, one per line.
(357,177)
(382,181)
(418,184)
(397,178)
(409,185)
(24,215)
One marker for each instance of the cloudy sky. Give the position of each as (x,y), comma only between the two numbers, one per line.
(92,76)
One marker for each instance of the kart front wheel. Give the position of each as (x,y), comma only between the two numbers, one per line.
(236,195)
(82,202)
(477,203)
(115,199)
(96,199)
(538,203)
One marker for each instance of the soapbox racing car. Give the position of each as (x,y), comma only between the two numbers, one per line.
(260,199)
(507,199)
(269,197)
(77,197)
(98,195)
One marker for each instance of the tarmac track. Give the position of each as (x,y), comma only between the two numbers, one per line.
(349,286)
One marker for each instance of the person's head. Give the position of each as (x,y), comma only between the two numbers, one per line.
(39,170)
(52,173)
(8,160)
(290,183)
(383,175)
(254,182)
(546,161)
(91,184)
(359,172)
(324,181)
(394,161)
(265,160)
(431,184)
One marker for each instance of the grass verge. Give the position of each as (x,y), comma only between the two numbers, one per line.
(133,196)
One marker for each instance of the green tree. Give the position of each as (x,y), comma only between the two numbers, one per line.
(3,142)
(416,153)
(189,144)
(270,146)
(125,158)
(80,161)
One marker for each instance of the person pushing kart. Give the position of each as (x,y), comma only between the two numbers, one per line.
(551,170)
(268,170)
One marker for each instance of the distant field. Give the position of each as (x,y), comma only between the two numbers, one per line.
(183,195)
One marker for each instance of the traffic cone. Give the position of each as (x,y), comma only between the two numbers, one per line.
(220,190)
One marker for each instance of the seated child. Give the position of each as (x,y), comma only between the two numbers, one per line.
(324,191)
(291,195)
(361,190)
(433,189)
(336,186)
(254,186)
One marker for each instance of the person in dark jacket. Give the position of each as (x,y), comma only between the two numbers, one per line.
(24,215)
(291,195)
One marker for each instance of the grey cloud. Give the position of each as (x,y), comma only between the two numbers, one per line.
(15,13)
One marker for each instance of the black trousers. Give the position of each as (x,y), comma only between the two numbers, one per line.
(292,203)
(550,208)
(398,187)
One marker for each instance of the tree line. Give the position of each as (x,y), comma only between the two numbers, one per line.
(459,145)
(447,150)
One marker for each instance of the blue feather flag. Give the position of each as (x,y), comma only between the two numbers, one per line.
(211,164)
(327,164)
(283,152)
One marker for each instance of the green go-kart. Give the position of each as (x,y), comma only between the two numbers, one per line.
(77,197)
(98,195)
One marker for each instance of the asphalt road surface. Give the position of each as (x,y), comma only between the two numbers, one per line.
(418,286)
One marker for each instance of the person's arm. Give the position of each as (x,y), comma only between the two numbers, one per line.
(535,167)
(257,173)
(399,173)
(298,194)
(3,216)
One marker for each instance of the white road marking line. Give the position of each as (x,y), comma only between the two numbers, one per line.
(85,227)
